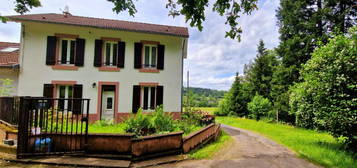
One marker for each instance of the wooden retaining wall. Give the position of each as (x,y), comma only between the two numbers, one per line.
(200,137)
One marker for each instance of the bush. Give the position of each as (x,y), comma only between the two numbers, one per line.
(259,107)
(327,99)
(139,124)
(162,122)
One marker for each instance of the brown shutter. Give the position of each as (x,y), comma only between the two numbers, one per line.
(138,47)
(77,102)
(160,56)
(136,98)
(51,50)
(48,93)
(159,95)
(152,96)
(98,53)
(121,54)
(80,46)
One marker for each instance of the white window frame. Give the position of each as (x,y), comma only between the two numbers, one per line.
(150,56)
(66,94)
(111,55)
(149,98)
(68,54)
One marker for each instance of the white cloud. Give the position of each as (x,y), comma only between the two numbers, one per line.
(212,59)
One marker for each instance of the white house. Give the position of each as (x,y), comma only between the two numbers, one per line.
(119,65)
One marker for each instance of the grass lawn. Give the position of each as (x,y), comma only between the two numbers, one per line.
(210,149)
(318,147)
(113,128)
(210,110)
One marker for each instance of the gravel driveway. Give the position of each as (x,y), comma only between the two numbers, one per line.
(248,150)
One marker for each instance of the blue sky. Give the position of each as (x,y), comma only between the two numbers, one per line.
(212,59)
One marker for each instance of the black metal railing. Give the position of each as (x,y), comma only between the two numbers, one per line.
(50,126)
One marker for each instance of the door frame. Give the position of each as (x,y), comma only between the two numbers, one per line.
(100,96)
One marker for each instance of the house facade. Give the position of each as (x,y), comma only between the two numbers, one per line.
(120,66)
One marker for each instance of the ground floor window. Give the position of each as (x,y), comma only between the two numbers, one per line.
(65,92)
(148,101)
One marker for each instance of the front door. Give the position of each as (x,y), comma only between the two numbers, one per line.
(108,105)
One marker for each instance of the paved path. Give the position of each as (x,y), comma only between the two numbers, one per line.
(248,150)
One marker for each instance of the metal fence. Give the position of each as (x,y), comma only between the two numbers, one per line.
(9,109)
(52,126)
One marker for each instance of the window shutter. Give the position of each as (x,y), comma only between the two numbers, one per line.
(160,56)
(136,98)
(138,47)
(121,54)
(48,93)
(80,46)
(98,53)
(152,96)
(77,104)
(159,95)
(51,50)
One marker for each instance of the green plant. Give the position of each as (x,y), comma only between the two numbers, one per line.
(162,122)
(259,107)
(139,124)
(6,87)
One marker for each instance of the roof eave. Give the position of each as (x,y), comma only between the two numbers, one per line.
(30,20)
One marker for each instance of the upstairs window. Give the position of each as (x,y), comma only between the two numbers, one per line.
(150,56)
(67,51)
(111,53)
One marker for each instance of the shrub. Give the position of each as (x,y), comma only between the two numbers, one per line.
(139,124)
(327,99)
(259,106)
(162,122)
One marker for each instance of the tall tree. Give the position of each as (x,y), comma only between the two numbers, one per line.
(260,73)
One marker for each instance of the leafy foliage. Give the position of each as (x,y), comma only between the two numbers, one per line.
(139,124)
(259,106)
(327,99)
(6,87)
(201,97)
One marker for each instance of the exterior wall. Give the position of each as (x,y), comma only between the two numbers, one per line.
(10,74)
(34,72)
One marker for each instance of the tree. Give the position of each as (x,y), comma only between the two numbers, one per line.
(327,99)
(260,72)
(23,6)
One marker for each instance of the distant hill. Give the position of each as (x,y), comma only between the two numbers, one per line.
(203,97)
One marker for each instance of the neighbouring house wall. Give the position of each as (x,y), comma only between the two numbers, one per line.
(10,74)
(34,72)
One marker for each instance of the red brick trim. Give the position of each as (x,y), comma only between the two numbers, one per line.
(99,97)
(60,82)
(148,84)
(149,70)
(71,36)
(110,39)
(150,42)
(107,68)
(65,67)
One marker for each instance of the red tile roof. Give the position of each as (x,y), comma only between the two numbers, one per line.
(103,23)
(9,58)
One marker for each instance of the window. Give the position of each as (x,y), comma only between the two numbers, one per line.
(65,92)
(150,56)
(111,53)
(109,103)
(67,51)
(148,98)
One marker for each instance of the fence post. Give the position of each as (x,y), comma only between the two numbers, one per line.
(22,134)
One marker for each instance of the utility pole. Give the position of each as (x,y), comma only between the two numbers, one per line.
(188,90)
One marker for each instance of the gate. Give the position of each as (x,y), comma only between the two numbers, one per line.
(49,126)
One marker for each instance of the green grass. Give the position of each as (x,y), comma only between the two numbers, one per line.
(318,147)
(113,128)
(210,110)
(209,150)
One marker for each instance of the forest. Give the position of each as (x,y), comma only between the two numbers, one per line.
(202,97)
(309,80)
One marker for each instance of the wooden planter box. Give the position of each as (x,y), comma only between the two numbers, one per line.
(200,137)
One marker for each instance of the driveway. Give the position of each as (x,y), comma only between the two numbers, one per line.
(248,150)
